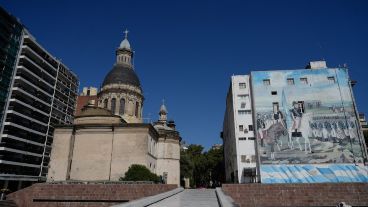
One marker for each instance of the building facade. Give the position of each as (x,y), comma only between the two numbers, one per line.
(105,140)
(238,132)
(42,92)
(10,41)
(88,96)
(306,126)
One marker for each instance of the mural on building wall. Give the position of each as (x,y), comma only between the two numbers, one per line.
(305,117)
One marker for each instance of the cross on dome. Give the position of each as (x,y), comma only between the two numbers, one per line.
(125,43)
(126,33)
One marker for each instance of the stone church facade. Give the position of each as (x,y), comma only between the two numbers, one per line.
(105,140)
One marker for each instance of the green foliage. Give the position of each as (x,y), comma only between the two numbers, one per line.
(139,173)
(202,168)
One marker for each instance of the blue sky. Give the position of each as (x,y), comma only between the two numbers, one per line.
(186,51)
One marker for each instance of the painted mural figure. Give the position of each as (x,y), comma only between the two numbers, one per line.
(319,116)
(325,134)
(260,126)
(297,114)
(279,118)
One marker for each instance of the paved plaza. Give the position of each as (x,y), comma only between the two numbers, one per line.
(190,197)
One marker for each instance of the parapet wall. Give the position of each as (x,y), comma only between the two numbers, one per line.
(316,194)
(75,195)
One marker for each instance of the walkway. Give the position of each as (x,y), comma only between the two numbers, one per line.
(190,197)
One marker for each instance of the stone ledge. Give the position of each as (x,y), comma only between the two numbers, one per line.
(316,194)
(224,200)
(77,194)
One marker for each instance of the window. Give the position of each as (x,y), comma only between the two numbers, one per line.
(331,80)
(136,109)
(290,81)
(113,105)
(243,112)
(243,158)
(242,138)
(253,158)
(122,106)
(266,82)
(242,105)
(304,80)
(105,103)
(250,127)
(88,92)
(243,96)
(241,128)
(242,85)
(251,138)
(273,92)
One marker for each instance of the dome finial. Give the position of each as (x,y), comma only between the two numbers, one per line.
(125,43)
(126,33)
(163,112)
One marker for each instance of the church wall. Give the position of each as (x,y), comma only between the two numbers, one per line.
(171,167)
(130,147)
(92,154)
(152,152)
(168,160)
(59,157)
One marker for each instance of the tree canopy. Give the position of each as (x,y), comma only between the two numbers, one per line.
(204,169)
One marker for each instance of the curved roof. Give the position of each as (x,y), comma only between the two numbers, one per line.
(122,74)
(125,44)
(90,110)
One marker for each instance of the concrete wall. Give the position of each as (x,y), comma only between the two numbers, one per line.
(168,160)
(92,154)
(321,194)
(106,152)
(58,165)
(78,195)
(101,153)
(130,147)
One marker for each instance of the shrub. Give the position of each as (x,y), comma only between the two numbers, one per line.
(139,173)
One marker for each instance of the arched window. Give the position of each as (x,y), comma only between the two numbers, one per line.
(136,109)
(122,106)
(113,105)
(105,103)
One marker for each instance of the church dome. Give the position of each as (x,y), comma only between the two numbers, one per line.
(122,74)
(125,44)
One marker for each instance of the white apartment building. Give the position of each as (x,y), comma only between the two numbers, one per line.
(238,132)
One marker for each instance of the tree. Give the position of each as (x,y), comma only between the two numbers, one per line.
(216,162)
(202,167)
(139,173)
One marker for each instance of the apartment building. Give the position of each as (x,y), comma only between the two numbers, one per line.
(238,132)
(41,93)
